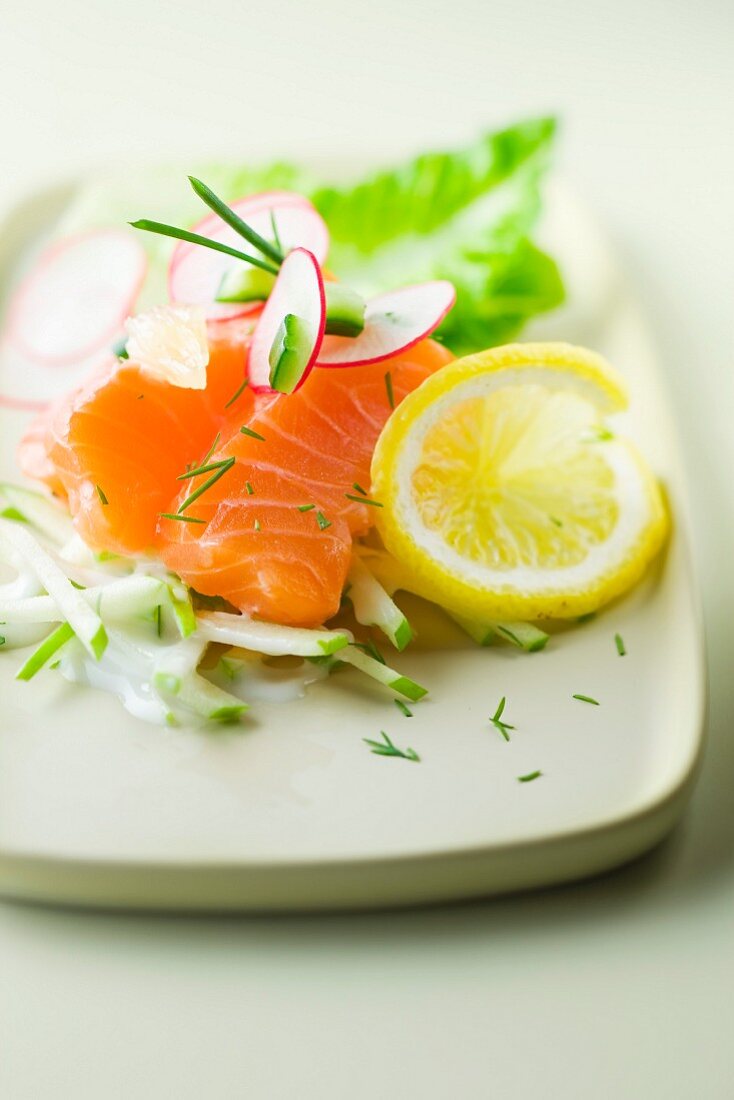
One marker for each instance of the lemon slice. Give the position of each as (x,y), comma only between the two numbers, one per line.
(505,496)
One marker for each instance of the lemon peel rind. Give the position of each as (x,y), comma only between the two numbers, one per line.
(498,594)
(554,365)
(438,572)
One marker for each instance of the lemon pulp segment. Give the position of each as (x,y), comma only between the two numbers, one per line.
(504,494)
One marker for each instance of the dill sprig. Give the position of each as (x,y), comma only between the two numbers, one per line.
(619,642)
(249,488)
(322,521)
(276,234)
(358,489)
(529,777)
(497,722)
(196,471)
(182,519)
(253,434)
(101,494)
(387,748)
(389,389)
(587,699)
(230,218)
(239,393)
(222,469)
(364,500)
(370,649)
(403,708)
(212,449)
(306,507)
(164,230)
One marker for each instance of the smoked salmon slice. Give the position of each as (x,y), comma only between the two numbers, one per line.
(116,446)
(278,526)
(33,450)
(273,535)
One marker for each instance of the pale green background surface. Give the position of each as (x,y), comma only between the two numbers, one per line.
(616,989)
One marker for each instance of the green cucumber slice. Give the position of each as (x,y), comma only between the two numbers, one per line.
(525,636)
(119,347)
(200,696)
(344,310)
(401,685)
(481,633)
(71,602)
(374,607)
(119,600)
(176,678)
(182,608)
(290,353)
(270,638)
(46,650)
(242,284)
(37,509)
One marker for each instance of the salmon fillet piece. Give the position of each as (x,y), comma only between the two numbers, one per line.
(116,446)
(260,550)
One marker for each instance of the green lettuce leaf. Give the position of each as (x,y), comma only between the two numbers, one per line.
(500,294)
(467,216)
(420,197)
(464,216)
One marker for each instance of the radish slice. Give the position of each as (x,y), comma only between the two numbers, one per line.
(247,207)
(195,273)
(77,296)
(29,385)
(298,292)
(393,322)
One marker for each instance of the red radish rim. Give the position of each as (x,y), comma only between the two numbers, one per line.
(48,255)
(221,313)
(259,200)
(252,204)
(403,347)
(215,311)
(227,318)
(36,405)
(249,207)
(254,386)
(21,404)
(213,323)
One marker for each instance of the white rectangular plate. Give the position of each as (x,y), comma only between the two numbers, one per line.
(292,811)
